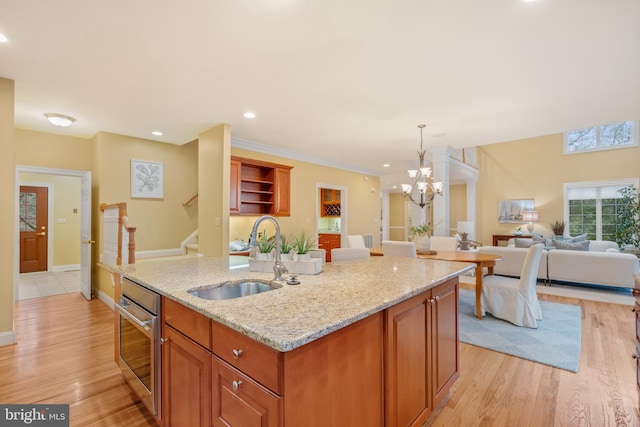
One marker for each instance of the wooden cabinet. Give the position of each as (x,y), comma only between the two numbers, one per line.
(330,203)
(186,367)
(259,188)
(390,368)
(422,360)
(328,241)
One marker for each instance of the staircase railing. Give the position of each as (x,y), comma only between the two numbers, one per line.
(117,235)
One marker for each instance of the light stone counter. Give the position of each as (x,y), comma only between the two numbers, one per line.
(293,315)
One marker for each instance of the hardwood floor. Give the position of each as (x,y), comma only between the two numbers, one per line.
(498,390)
(64,354)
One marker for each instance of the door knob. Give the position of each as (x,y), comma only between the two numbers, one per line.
(88,242)
(42,233)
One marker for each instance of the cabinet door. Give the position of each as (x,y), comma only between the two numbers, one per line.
(234,202)
(408,400)
(186,381)
(237,400)
(444,332)
(282,192)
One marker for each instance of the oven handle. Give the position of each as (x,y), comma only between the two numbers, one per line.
(128,315)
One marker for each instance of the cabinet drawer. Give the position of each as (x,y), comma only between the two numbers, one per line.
(187,321)
(239,401)
(251,357)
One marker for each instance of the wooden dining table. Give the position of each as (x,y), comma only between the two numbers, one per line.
(481,260)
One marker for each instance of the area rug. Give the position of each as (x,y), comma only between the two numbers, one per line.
(556,341)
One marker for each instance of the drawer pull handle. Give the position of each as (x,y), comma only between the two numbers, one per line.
(237,352)
(163,340)
(635,309)
(236,384)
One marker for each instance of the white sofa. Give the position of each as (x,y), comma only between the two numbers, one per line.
(602,264)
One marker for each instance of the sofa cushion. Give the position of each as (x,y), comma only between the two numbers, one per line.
(524,243)
(602,245)
(580,238)
(571,246)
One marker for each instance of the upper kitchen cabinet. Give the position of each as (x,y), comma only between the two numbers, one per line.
(259,188)
(330,202)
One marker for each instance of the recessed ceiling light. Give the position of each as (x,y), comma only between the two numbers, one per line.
(3,38)
(59,119)
(156,133)
(386,165)
(249,115)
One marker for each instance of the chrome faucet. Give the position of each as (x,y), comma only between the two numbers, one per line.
(278,268)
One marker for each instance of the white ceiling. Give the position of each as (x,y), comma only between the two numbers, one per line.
(346,81)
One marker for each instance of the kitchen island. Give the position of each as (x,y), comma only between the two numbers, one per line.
(371,342)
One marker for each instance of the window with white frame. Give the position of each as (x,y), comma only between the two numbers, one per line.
(614,135)
(592,208)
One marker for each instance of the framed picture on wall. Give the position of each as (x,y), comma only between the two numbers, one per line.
(510,211)
(147,179)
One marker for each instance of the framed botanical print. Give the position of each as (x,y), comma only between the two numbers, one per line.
(147,179)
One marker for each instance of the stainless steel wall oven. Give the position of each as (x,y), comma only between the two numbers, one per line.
(139,339)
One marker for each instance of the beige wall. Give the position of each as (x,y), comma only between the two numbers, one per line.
(7,210)
(457,205)
(536,168)
(52,151)
(65,228)
(161,223)
(363,205)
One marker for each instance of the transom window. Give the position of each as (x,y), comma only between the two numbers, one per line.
(614,135)
(592,208)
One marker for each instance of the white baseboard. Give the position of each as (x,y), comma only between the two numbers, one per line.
(106,299)
(7,338)
(70,267)
(158,253)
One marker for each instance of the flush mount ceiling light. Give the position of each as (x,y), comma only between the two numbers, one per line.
(59,119)
(156,133)
(3,38)
(249,115)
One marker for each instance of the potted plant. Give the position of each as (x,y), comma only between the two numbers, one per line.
(285,249)
(628,233)
(558,229)
(265,246)
(419,234)
(518,231)
(303,245)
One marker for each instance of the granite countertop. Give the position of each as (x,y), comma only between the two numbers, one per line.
(293,315)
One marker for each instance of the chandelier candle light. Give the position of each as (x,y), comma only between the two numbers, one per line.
(422,180)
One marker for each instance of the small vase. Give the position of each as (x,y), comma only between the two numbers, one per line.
(422,243)
(304,257)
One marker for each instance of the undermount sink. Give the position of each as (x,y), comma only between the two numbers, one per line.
(234,289)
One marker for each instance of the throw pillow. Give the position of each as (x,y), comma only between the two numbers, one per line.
(580,238)
(540,239)
(571,246)
(524,243)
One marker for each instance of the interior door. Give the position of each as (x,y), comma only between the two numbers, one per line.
(85,235)
(33,228)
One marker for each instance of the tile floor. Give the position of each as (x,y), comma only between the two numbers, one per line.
(36,285)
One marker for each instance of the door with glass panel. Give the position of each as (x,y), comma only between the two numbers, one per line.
(33,229)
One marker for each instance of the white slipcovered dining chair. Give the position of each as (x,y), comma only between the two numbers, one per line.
(345,254)
(443,243)
(355,241)
(515,300)
(395,248)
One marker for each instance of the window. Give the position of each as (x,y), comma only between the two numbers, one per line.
(615,135)
(592,208)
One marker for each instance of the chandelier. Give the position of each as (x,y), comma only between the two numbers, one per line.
(422,180)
